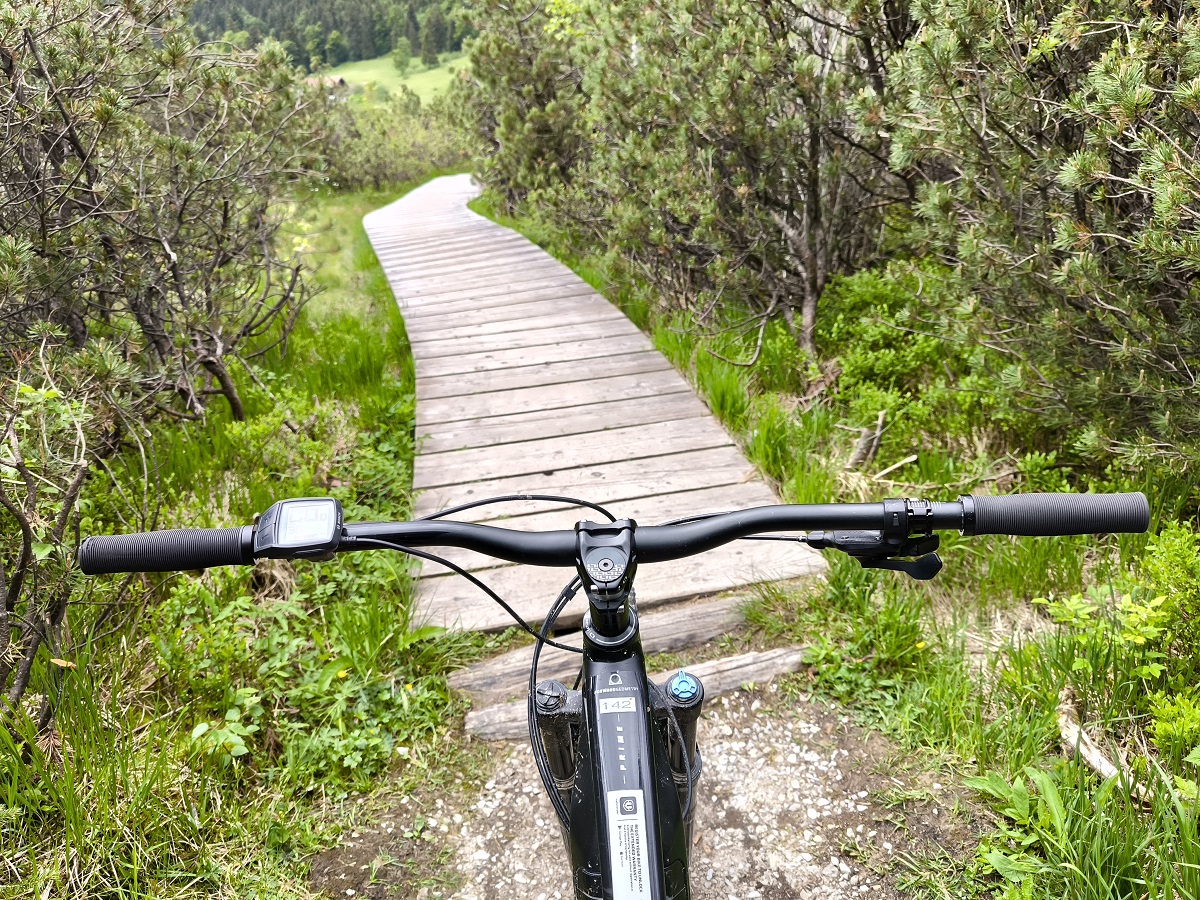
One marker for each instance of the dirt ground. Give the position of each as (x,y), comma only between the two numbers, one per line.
(795,802)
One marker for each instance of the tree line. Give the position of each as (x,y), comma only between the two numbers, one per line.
(331,33)
(1039,162)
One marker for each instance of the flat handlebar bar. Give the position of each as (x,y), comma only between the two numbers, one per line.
(1018,514)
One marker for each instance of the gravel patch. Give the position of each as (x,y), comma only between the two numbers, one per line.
(794,802)
(786,811)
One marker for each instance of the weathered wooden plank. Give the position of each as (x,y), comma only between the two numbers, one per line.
(465,329)
(603,484)
(496,360)
(432,252)
(453,602)
(514,307)
(556,372)
(496,304)
(400,232)
(583,419)
(501,292)
(438,285)
(480,314)
(601,448)
(508,722)
(504,403)
(532,337)
(679,626)
(467,238)
(652,510)
(462,264)
(509,285)
(483,277)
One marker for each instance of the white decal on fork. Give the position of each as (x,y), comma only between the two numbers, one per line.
(629,860)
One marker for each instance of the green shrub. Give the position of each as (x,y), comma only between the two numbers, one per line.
(1175,725)
(1172,565)
(782,366)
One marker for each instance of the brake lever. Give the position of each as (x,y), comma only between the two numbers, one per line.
(923,568)
(875,551)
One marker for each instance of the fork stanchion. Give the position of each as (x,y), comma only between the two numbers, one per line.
(685,694)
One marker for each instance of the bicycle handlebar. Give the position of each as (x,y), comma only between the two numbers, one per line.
(1057,514)
(1018,514)
(167,551)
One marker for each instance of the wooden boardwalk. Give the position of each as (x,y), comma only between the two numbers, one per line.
(529,381)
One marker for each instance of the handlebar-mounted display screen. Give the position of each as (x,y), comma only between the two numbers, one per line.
(310,528)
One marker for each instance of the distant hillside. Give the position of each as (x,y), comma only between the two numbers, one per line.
(324,31)
(426,83)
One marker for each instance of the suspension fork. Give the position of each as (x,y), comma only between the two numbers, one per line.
(614,759)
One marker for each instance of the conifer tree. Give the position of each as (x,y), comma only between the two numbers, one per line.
(412,30)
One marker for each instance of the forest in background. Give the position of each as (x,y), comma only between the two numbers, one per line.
(316,33)
(1034,166)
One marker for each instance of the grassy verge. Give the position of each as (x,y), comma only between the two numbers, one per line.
(425,82)
(227,723)
(972,673)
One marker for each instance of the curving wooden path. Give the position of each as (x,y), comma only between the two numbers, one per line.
(529,381)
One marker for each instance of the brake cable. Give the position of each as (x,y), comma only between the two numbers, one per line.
(459,570)
(539,752)
(548,498)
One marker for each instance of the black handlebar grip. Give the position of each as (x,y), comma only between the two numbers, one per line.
(1046,515)
(167,551)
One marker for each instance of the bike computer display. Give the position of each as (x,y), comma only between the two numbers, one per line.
(306,527)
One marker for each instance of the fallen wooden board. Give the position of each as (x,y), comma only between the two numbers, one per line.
(580,421)
(679,626)
(547,454)
(508,721)
(453,602)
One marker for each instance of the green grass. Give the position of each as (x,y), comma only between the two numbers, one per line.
(426,83)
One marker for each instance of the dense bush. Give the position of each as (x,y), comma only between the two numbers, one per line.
(185,731)
(521,100)
(375,139)
(1036,163)
(1064,140)
(142,176)
(714,150)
